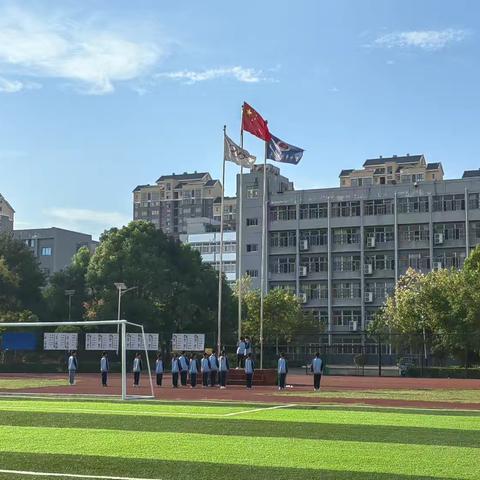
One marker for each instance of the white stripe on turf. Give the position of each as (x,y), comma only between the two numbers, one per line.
(70,475)
(258,410)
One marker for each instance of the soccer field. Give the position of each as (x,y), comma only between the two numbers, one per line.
(233,441)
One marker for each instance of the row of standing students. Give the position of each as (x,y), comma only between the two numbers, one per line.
(212,370)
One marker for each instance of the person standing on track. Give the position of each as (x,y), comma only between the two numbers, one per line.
(205,368)
(240,353)
(159,369)
(317,369)
(175,370)
(183,369)
(282,371)
(72,367)
(137,370)
(249,369)
(223,369)
(213,368)
(193,370)
(104,368)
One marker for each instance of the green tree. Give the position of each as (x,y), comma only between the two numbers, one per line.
(21,282)
(72,278)
(174,290)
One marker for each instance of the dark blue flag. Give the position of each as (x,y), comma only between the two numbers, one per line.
(283,152)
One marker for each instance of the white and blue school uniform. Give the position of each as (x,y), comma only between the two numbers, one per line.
(317,369)
(213,369)
(72,369)
(183,369)
(205,368)
(193,371)
(104,368)
(223,367)
(175,371)
(159,371)
(282,369)
(137,368)
(249,369)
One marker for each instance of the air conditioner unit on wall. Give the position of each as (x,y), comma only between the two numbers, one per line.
(303,245)
(368,269)
(438,238)
(371,242)
(368,297)
(303,297)
(437,265)
(303,271)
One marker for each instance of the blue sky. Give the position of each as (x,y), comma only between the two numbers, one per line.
(97,97)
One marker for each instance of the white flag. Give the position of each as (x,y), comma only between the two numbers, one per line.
(234,153)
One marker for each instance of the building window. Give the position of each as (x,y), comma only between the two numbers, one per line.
(346,209)
(450,231)
(345,317)
(346,236)
(283,239)
(283,212)
(418,261)
(313,210)
(252,247)
(252,191)
(383,206)
(473,200)
(282,265)
(414,233)
(315,238)
(380,262)
(315,263)
(380,290)
(346,263)
(251,222)
(287,287)
(448,203)
(346,290)
(252,273)
(413,205)
(315,291)
(46,251)
(380,234)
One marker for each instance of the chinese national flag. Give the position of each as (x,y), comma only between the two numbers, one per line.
(253,122)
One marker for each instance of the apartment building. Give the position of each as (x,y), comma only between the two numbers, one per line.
(54,247)
(176,200)
(342,249)
(7,214)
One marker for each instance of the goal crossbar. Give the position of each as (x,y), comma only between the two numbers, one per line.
(122,323)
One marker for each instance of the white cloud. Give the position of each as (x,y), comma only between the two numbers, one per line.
(334,90)
(241,74)
(85,220)
(430,40)
(93,57)
(14,86)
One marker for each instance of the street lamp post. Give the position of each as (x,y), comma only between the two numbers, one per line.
(122,289)
(69,294)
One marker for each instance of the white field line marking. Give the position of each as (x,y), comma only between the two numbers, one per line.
(70,475)
(288,405)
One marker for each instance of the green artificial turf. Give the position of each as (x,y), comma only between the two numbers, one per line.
(23,383)
(427,395)
(178,441)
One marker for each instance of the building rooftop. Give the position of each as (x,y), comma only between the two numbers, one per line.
(183,176)
(402,159)
(471,173)
(211,183)
(139,187)
(346,172)
(434,166)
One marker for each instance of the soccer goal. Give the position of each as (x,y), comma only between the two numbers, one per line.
(82,358)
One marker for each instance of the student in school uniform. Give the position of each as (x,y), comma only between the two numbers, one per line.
(183,369)
(159,369)
(223,368)
(248,346)
(317,369)
(72,368)
(137,370)
(213,368)
(240,353)
(249,369)
(282,371)
(205,368)
(104,368)
(175,370)
(193,371)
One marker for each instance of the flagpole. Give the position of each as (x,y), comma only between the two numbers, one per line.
(239,243)
(264,248)
(220,270)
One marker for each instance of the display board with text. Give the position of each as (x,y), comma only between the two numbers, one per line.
(192,342)
(101,341)
(134,341)
(60,341)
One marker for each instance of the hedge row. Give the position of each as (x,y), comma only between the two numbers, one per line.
(443,372)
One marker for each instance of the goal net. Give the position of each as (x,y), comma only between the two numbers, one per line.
(91,358)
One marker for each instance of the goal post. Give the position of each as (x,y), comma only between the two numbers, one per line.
(122,339)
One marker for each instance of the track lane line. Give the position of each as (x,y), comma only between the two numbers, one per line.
(70,475)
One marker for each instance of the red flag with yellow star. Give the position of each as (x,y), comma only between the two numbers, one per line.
(253,122)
